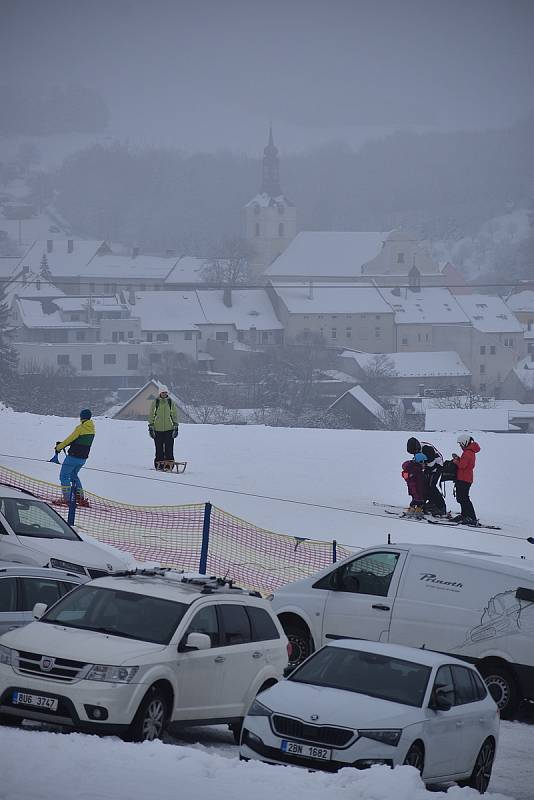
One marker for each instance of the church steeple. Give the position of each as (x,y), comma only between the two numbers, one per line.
(270,179)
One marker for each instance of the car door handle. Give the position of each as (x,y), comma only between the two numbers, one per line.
(257,654)
(459,724)
(219,659)
(380,607)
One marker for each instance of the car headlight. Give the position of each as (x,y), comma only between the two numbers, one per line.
(389,736)
(101,672)
(68,566)
(257,709)
(6,655)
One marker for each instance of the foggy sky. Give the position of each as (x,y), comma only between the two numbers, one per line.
(204,74)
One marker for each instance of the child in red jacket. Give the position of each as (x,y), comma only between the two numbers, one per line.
(464,477)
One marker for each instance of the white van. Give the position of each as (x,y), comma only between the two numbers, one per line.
(477,606)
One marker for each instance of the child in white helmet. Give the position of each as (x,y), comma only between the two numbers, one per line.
(464,477)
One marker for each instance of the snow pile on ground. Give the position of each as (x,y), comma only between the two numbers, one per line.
(62,767)
(344,470)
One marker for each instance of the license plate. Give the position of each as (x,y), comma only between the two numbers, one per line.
(36,700)
(306,750)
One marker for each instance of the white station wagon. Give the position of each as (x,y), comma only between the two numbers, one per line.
(358,703)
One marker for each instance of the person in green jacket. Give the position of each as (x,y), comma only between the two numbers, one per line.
(163,426)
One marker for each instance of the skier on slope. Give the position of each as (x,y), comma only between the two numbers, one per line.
(434,500)
(163,427)
(464,478)
(80,441)
(412,472)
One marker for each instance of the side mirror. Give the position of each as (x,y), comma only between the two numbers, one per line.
(195,641)
(38,610)
(440,701)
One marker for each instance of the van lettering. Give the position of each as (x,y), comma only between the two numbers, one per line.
(430,577)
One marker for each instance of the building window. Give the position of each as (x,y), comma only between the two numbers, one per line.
(377,316)
(265,338)
(482,387)
(257,229)
(80,336)
(280,229)
(162,337)
(142,287)
(221,336)
(427,337)
(87,363)
(482,369)
(188,336)
(334,333)
(306,333)
(75,317)
(130,334)
(63,361)
(348,333)
(155,357)
(400,258)
(418,337)
(482,349)
(377,333)
(493,350)
(149,337)
(110,358)
(133,360)
(92,288)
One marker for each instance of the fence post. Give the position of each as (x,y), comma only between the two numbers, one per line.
(205,539)
(334,551)
(72,504)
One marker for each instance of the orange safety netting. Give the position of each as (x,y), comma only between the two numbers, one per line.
(172,535)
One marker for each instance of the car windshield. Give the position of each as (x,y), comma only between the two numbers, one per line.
(119,613)
(366,673)
(35,518)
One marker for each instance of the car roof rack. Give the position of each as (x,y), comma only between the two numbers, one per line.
(207,584)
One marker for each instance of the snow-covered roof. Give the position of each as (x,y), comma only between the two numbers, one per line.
(363,397)
(331,298)
(468,419)
(524,370)
(521,301)
(414,365)
(430,305)
(323,254)
(489,313)
(34,316)
(31,285)
(167,311)
(337,375)
(191,412)
(60,261)
(188,269)
(251,308)
(115,267)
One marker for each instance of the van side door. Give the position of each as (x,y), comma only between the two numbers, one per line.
(361,595)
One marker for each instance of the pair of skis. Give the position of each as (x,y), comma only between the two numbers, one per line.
(399,511)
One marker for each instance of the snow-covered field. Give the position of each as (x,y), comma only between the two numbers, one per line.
(344,470)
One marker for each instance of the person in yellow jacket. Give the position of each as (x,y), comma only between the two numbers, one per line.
(79,443)
(163,426)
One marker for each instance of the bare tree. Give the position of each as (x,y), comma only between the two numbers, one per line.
(467,398)
(378,372)
(228,262)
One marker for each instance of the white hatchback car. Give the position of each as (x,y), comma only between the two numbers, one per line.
(357,703)
(131,654)
(33,533)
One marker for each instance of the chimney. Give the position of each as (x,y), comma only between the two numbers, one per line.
(131,296)
(49,245)
(396,291)
(310,291)
(135,252)
(421,390)
(70,245)
(25,273)
(227,296)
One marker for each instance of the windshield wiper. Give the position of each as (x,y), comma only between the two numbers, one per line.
(112,632)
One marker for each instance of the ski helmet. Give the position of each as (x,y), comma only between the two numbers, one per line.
(464,439)
(413,445)
(86,413)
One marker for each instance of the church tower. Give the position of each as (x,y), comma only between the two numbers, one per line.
(270,218)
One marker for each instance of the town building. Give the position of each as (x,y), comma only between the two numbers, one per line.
(362,410)
(270,217)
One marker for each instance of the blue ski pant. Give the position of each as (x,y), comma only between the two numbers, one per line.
(69,475)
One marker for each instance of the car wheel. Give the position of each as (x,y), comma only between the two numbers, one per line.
(299,640)
(502,687)
(415,757)
(151,718)
(481,775)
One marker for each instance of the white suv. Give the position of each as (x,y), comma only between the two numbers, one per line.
(133,653)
